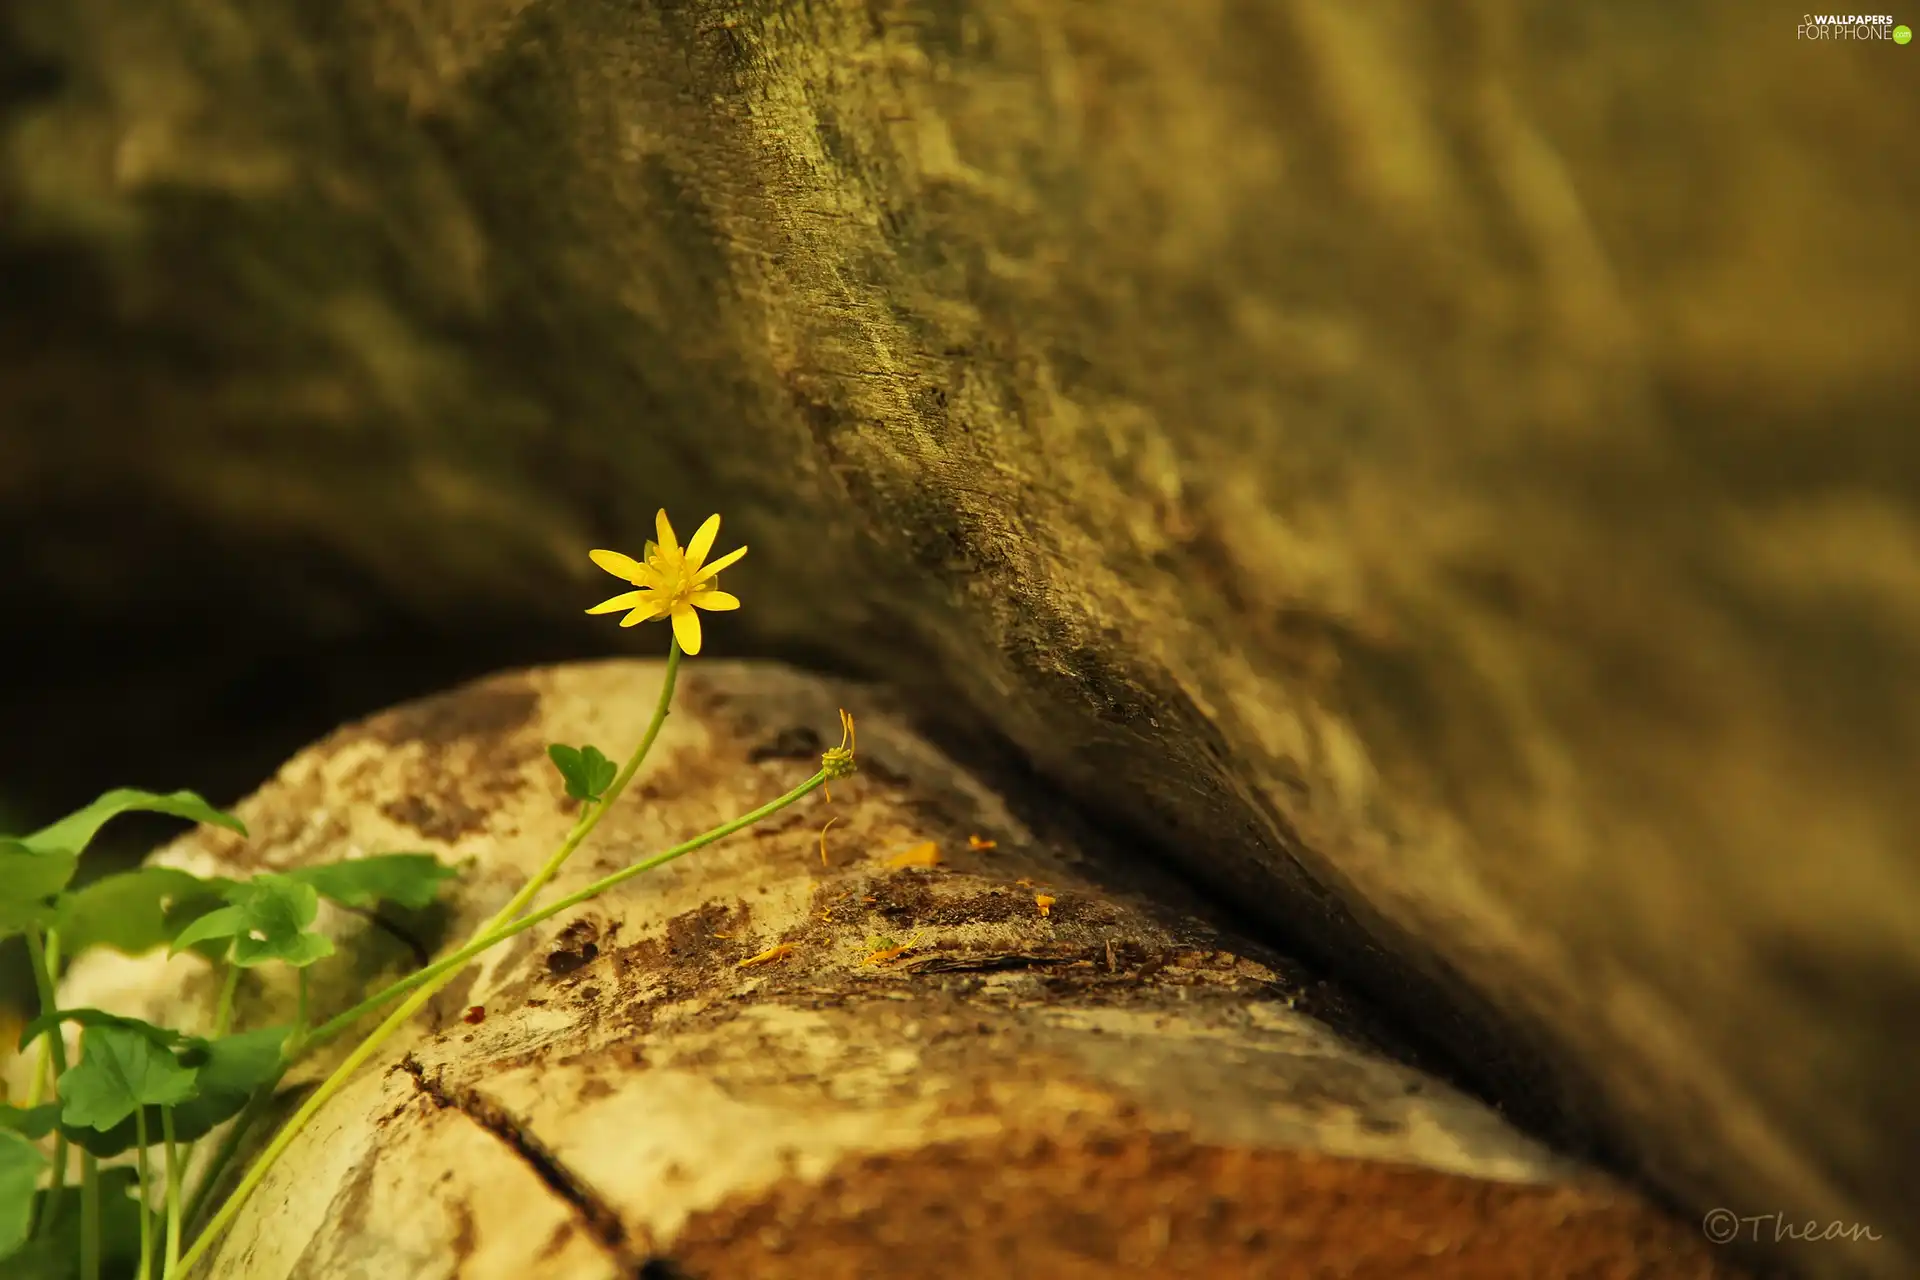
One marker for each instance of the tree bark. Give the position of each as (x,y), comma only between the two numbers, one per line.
(1431,471)
(1107,1087)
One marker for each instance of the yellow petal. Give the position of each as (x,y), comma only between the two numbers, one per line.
(618,565)
(628,600)
(921,855)
(719,564)
(702,543)
(665,533)
(638,616)
(718,601)
(686,629)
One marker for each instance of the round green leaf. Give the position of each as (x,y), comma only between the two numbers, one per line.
(120,1070)
(230,1068)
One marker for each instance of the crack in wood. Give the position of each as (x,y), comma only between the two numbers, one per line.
(977,963)
(1098,959)
(601,1221)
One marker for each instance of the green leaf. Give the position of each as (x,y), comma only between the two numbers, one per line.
(120,1070)
(28,878)
(299,952)
(410,880)
(30,1122)
(20,1166)
(182,912)
(221,924)
(58,1257)
(267,918)
(230,1068)
(75,831)
(586,771)
(278,914)
(128,911)
(36,867)
(162,1037)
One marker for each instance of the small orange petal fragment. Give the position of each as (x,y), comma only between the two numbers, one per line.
(768,956)
(888,953)
(1044,901)
(921,855)
(976,843)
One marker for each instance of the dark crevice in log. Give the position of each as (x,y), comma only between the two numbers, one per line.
(600,1219)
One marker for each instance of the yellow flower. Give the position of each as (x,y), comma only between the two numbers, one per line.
(673,582)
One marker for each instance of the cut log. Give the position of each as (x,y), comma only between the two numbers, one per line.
(1433,470)
(962,1045)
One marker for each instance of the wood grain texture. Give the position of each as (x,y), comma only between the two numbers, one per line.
(1439,472)
(1110,1088)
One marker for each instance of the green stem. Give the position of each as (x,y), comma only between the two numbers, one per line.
(328,1030)
(423,985)
(44,953)
(146,1200)
(291,1051)
(223,1016)
(223,1012)
(298,1043)
(222,1023)
(89,1216)
(518,903)
(42,1082)
(216,1169)
(174,1174)
(46,980)
(594,812)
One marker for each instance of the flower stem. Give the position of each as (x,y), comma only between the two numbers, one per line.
(223,1012)
(423,984)
(328,1030)
(222,1023)
(174,1175)
(42,1081)
(146,1199)
(89,1216)
(425,990)
(594,812)
(44,953)
(223,1155)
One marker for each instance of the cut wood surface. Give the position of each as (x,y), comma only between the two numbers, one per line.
(969,1043)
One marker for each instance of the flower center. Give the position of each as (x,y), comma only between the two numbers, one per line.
(676,582)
